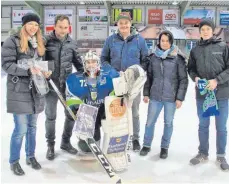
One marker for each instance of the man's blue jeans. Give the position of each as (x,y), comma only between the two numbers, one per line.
(25,125)
(154,110)
(221,128)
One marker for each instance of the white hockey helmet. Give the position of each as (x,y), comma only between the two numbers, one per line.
(91,63)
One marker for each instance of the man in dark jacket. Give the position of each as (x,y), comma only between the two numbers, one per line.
(210,60)
(63,50)
(121,50)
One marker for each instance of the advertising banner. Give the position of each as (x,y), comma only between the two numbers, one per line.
(155,16)
(224,17)
(84,43)
(92,31)
(93,15)
(135,13)
(49,29)
(193,33)
(195,16)
(170,16)
(112,29)
(150,32)
(50,15)
(92,24)
(130,12)
(17,16)
(92,12)
(178,32)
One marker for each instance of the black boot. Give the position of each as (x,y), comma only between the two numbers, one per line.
(33,162)
(164,153)
(68,147)
(144,151)
(83,146)
(16,168)
(136,145)
(50,155)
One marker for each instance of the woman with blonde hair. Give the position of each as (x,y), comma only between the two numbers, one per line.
(23,101)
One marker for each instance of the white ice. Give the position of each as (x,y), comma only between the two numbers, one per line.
(150,169)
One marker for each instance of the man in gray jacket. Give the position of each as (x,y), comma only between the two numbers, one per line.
(63,50)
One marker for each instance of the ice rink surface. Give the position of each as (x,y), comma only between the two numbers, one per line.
(150,169)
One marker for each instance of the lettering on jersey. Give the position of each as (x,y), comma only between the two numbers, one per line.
(116,109)
(95,103)
(83,83)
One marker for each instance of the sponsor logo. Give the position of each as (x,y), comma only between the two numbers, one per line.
(92,12)
(116,109)
(118,139)
(170,16)
(155,14)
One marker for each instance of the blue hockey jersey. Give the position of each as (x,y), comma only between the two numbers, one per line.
(82,89)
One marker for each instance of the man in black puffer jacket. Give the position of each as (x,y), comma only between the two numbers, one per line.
(210,60)
(63,50)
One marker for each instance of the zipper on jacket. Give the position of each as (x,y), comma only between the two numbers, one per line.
(122,52)
(205,63)
(61,45)
(34,105)
(31,90)
(162,73)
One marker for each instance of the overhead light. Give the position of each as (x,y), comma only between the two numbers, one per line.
(174,3)
(82,2)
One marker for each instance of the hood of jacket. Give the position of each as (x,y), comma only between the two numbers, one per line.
(213,39)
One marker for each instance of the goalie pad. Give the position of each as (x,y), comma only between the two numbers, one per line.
(130,82)
(117,130)
(84,126)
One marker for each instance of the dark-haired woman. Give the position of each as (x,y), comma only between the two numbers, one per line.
(166,87)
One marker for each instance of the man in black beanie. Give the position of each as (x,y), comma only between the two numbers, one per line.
(207,22)
(209,60)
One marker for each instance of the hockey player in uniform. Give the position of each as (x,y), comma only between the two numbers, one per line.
(90,87)
(94,87)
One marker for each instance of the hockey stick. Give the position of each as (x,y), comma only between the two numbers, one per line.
(91,142)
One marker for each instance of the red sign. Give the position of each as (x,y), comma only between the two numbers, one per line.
(192,21)
(92,12)
(155,16)
(49,29)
